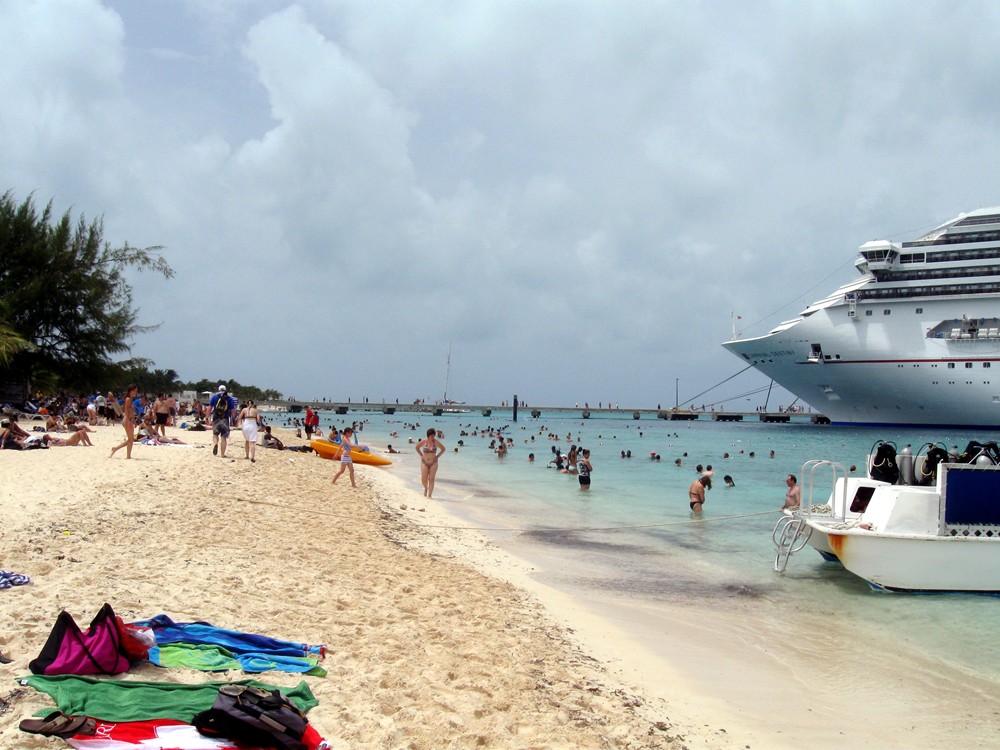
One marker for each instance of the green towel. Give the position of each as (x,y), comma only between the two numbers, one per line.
(209,657)
(134,700)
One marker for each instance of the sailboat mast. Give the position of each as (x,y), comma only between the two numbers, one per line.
(447,374)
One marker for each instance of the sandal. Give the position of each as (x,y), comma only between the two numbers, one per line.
(58,724)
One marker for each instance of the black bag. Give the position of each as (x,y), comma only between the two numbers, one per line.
(254,717)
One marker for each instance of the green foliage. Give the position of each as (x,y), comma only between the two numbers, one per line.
(236,389)
(10,342)
(63,292)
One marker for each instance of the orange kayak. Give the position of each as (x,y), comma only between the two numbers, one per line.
(326,449)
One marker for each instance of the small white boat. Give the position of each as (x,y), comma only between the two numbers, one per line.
(899,537)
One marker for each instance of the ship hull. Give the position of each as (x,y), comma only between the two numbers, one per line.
(874,363)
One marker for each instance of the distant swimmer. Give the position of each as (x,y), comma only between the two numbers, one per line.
(793,498)
(696,493)
(729,481)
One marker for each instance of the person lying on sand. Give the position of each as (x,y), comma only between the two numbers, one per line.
(79,437)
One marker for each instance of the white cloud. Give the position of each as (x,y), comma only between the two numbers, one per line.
(576,195)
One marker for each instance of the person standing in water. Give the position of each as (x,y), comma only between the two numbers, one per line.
(793,498)
(696,493)
(430,449)
(584,469)
(128,422)
(346,446)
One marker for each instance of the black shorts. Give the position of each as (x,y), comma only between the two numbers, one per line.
(161,418)
(309,430)
(584,481)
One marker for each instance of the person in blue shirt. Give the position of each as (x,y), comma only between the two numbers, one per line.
(221,406)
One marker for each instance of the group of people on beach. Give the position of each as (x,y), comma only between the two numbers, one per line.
(222,410)
(15,437)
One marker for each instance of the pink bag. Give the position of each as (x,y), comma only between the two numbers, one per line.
(69,650)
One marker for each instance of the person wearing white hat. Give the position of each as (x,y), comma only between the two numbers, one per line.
(220,406)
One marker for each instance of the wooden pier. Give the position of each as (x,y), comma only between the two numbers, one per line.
(538,412)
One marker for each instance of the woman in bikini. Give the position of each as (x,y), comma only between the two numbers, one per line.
(128,422)
(430,449)
(696,493)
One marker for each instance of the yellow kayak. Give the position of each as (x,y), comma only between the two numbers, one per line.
(326,449)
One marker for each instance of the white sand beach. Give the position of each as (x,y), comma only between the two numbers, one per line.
(423,650)
(435,637)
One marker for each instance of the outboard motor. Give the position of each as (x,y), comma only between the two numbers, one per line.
(883,462)
(905,462)
(936,455)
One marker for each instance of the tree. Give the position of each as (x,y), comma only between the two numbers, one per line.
(64,292)
(10,341)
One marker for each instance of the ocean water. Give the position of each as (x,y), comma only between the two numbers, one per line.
(631,538)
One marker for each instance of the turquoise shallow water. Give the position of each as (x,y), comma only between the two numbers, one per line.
(724,560)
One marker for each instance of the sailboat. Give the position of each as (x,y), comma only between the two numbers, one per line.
(446,401)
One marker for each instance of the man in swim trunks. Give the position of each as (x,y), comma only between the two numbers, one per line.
(696,493)
(793,498)
(161,410)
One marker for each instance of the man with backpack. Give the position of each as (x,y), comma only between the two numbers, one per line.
(221,406)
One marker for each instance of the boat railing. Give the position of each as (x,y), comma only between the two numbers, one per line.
(838,503)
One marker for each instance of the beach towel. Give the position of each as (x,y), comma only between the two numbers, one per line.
(156,734)
(164,734)
(256,653)
(137,700)
(209,657)
(8,579)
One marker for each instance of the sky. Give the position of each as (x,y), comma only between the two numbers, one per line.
(573,198)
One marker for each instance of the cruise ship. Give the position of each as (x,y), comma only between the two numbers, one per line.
(913,341)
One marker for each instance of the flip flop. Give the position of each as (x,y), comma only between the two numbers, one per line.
(58,724)
(4,659)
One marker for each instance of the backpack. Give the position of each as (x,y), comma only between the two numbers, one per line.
(255,717)
(221,409)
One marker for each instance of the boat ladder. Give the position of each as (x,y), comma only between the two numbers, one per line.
(791,533)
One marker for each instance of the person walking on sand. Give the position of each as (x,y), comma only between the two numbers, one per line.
(584,469)
(696,493)
(249,417)
(430,449)
(128,422)
(220,406)
(793,498)
(346,446)
(161,412)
